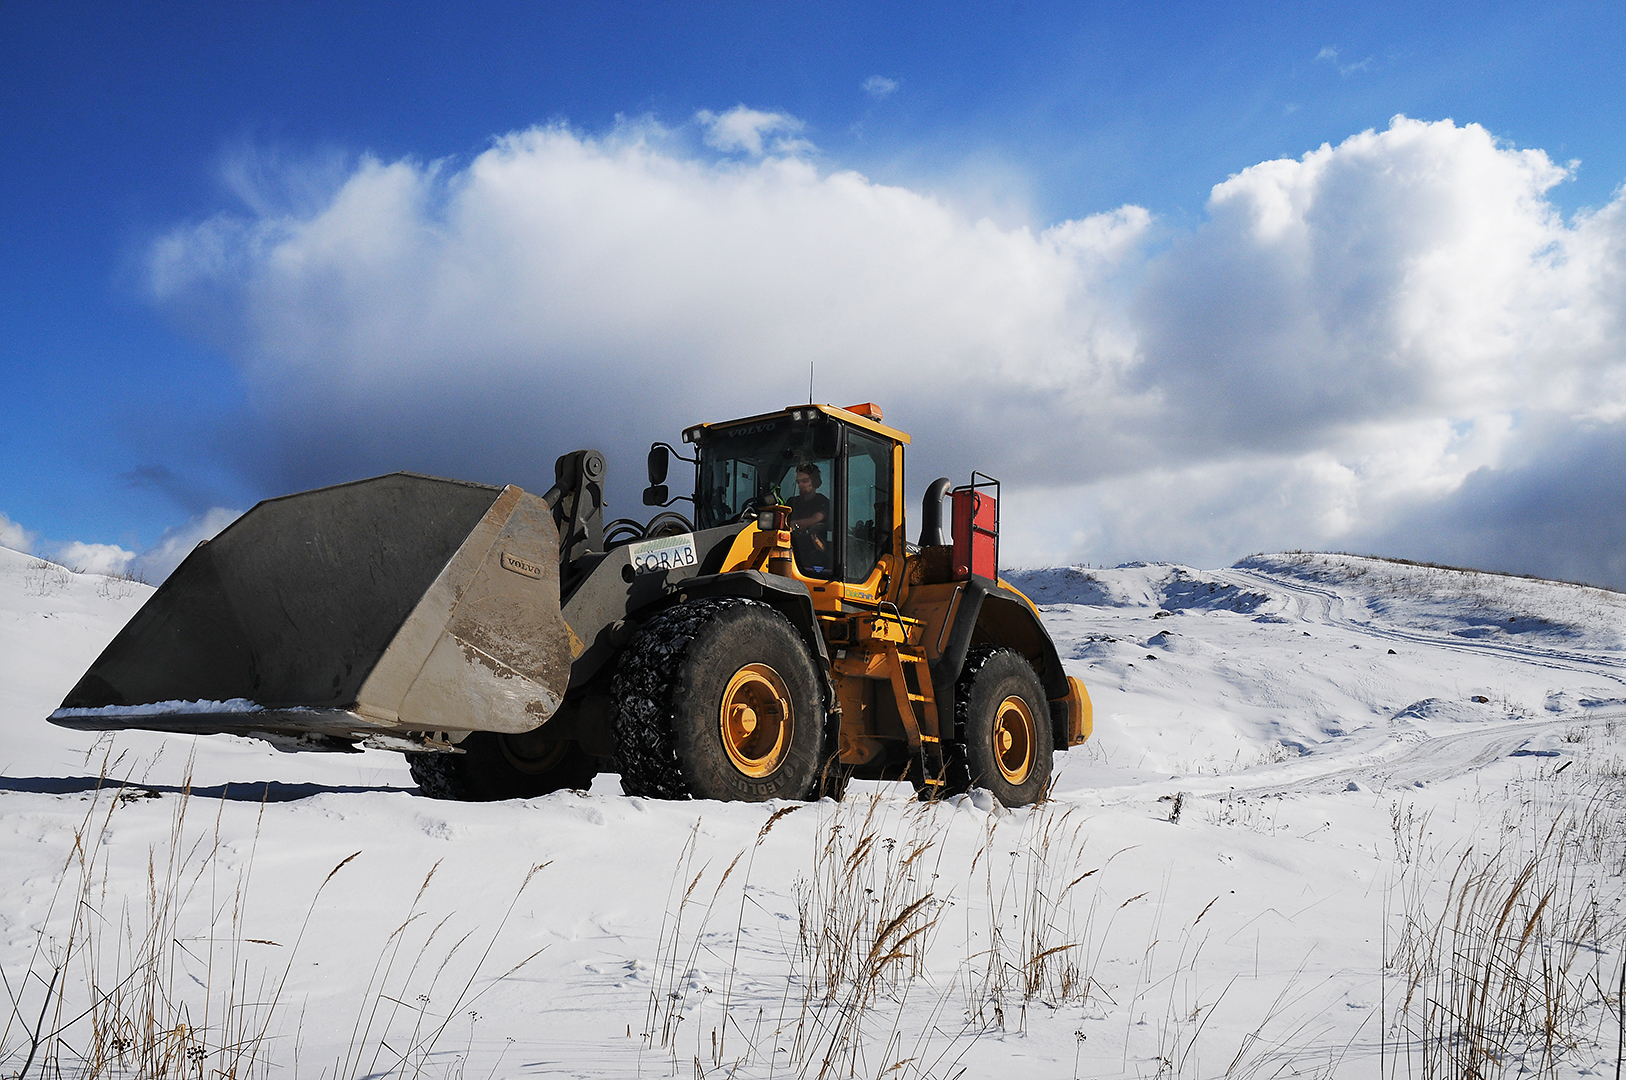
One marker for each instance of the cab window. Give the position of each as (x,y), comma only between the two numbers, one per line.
(867,530)
(776,460)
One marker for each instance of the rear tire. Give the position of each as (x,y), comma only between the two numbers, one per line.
(494,766)
(719,699)
(1002,719)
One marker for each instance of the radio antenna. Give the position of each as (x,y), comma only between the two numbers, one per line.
(810,382)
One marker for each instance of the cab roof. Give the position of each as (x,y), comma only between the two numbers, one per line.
(846,416)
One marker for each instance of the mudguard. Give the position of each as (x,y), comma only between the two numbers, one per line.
(991,613)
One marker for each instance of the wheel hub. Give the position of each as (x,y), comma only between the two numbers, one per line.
(531,753)
(755,720)
(1014,738)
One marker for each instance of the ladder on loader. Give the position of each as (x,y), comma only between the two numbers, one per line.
(917,706)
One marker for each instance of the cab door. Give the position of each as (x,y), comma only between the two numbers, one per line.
(864,518)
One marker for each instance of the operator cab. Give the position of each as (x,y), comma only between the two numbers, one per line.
(838,469)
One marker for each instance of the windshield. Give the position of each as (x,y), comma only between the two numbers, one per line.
(744,466)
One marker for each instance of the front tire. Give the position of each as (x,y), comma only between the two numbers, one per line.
(494,766)
(719,699)
(1003,721)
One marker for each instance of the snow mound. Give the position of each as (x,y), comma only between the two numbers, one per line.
(1161,585)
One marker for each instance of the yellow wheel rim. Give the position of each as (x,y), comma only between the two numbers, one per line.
(755,718)
(1014,739)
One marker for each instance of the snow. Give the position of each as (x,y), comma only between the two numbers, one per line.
(160,708)
(1292,759)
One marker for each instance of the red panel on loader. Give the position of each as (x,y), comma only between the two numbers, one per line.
(976,533)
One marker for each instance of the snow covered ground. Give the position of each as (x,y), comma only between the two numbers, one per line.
(1301,765)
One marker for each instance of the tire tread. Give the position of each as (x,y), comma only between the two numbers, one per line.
(642,698)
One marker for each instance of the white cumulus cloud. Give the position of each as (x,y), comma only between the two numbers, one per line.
(152,564)
(83,558)
(158,561)
(1347,340)
(752,131)
(14,536)
(879,86)
(566,290)
(1408,305)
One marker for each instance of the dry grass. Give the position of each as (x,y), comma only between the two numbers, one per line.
(170,984)
(1502,971)
(893,963)
(868,911)
(1502,963)
(111,985)
(44,578)
(122,585)
(866,916)
(898,968)
(1041,915)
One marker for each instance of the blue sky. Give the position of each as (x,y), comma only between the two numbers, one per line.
(133,407)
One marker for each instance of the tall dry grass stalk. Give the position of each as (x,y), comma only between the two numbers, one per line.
(867,912)
(169,984)
(404,1013)
(871,985)
(1502,971)
(677,978)
(1040,934)
(121,986)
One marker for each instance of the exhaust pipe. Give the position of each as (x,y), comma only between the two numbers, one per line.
(931,513)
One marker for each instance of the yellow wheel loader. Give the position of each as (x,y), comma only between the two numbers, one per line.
(776,642)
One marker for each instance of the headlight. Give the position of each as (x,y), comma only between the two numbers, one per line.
(766,519)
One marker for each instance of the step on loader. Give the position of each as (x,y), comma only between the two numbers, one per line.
(777,641)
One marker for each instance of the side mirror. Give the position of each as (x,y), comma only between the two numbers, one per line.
(826,439)
(656,495)
(660,458)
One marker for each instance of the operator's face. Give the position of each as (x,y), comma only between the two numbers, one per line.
(804,483)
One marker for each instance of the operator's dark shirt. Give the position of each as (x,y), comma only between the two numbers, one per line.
(811,542)
(803,506)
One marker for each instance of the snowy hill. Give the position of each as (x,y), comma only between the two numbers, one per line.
(1321,658)
(1300,764)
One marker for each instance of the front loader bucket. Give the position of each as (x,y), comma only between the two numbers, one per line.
(399,604)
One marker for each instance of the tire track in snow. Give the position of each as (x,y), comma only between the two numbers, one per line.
(1391,760)
(1332,613)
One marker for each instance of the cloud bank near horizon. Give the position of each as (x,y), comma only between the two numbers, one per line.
(1395,343)
(152,565)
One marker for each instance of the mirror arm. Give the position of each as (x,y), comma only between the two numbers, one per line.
(670,449)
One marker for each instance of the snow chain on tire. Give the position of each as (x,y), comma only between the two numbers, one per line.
(675,655)
(956,770)
(485,772)
(437,776)
(641,699)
